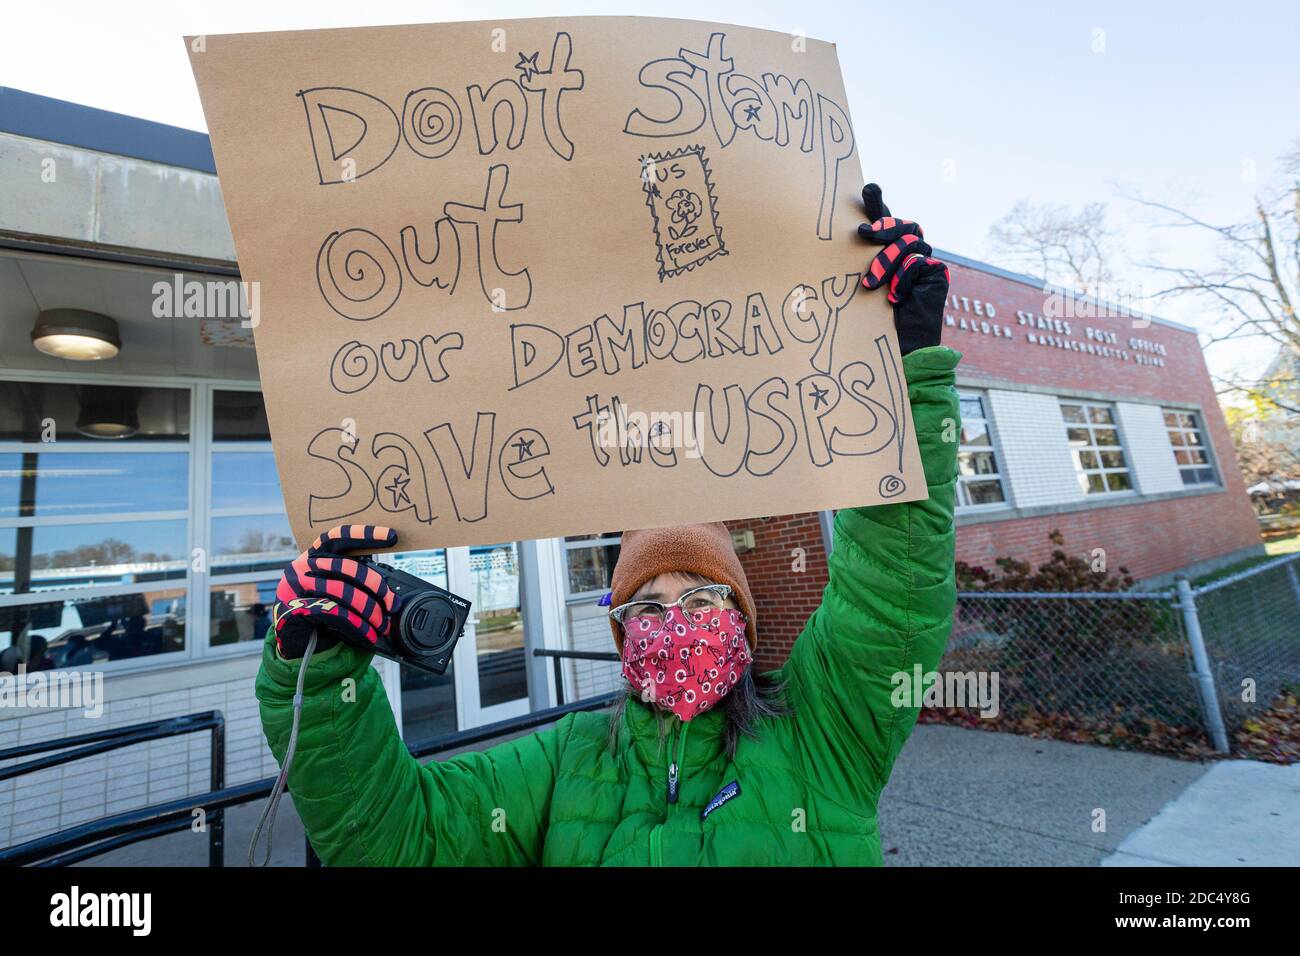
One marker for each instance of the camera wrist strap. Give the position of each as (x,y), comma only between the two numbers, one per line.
(273,802)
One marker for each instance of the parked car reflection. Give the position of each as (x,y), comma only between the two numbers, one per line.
(87,631)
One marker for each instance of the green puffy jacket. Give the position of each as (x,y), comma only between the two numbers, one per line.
(805,792)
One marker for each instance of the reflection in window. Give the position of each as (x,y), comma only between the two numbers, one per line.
(1093,436)
(494,570)
(979,479)
(589,562)
(81,508)
(78,555)
(240,612)
(83,631)
(1191,453)
(245,479)
(54,484)
(428,700)
(63,411)
(239,416)
(252,543)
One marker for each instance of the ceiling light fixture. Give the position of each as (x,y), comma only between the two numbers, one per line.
(76,334)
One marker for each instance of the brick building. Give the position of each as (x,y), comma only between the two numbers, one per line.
(1101,426)
(102,214)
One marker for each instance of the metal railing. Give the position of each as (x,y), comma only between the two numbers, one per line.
(95,837)
(82,841)
(558,658)
(1160,665)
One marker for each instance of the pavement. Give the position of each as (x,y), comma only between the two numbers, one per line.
(1240,813)
(189,848)
(962,797)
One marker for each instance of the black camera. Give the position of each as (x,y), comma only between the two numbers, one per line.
(428,622)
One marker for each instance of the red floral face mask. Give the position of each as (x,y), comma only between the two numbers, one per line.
(690,663)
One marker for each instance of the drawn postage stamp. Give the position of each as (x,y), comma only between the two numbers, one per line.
(679,192)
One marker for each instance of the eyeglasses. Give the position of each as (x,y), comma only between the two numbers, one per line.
(707,597)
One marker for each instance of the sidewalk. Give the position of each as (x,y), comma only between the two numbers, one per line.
(1241,813)
(963,797)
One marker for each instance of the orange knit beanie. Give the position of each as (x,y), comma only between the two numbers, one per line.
(703,549)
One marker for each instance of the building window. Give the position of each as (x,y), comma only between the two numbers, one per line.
(979,478)
(1191,452)
(589,561)
(94,523)
(1095,447)
(249,540)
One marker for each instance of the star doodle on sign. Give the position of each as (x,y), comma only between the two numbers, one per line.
(751,112)
(525,448)
(819,397)
(527,66)
(398,488)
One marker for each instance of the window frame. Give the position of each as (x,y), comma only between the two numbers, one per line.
(212,580)
(1122,445)
(83,445)
(963,506)
(582,544)
(197,585)
(1216,480)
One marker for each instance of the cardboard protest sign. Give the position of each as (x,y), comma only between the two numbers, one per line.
(529,278)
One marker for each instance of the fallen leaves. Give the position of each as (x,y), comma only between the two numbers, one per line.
(1272,735)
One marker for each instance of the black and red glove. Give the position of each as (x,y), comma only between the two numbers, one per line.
(336,597)
(918,283)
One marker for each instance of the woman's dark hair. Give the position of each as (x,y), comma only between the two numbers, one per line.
(752,700)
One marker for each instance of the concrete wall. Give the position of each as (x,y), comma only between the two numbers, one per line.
(51,800)
(78,196)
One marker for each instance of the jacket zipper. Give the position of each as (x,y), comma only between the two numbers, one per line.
(675,768)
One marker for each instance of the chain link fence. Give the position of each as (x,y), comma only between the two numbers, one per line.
(1251,626)
(1175,669)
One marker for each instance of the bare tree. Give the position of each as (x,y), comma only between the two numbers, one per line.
(1074,249)
(1264,454)
(1255,283)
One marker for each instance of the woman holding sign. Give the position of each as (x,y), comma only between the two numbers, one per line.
(704,762)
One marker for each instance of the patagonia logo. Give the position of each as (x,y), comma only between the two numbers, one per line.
(722,796)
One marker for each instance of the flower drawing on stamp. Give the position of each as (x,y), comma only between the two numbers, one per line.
(679,193)
(686,208)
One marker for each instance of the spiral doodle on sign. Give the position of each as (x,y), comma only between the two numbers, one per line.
(891,486)
(371,276)
(431,122)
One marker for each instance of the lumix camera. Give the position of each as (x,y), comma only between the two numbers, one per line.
(428,624)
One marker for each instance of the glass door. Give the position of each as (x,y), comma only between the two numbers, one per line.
(492,681)
(428,700)
(487,679)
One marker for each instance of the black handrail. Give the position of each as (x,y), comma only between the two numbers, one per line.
(559,656)
(131,826)
(80,746)
(95,837)
(536,718)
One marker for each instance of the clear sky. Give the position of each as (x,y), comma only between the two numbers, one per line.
(960,108)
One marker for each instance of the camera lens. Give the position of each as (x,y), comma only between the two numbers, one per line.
(426,624)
